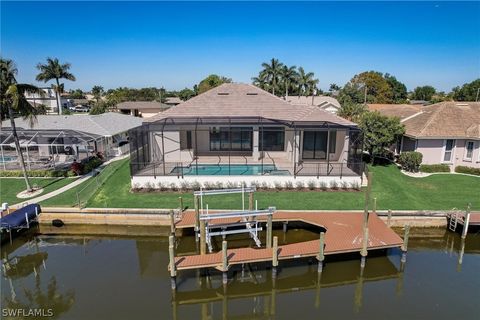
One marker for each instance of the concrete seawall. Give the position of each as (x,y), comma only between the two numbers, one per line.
(160,217)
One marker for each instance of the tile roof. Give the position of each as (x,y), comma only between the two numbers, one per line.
(105,124)
(319,101)
(446,120)
(128,105)
(402,111)
(246,100)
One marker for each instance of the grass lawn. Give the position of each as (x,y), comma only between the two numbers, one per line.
(10,187)
(392,189)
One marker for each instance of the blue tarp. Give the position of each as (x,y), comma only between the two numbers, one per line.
(17,218)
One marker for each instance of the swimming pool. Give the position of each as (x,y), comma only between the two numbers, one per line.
(223,170)
(6,159)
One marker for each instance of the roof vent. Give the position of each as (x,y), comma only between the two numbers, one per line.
(252,94)
(223,93)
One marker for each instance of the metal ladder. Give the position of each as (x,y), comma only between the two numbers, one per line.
(453,221)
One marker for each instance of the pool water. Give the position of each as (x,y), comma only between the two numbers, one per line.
(5,159)
(224,170)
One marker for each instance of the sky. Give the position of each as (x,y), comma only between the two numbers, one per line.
(175,45)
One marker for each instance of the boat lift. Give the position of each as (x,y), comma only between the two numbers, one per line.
(245,220)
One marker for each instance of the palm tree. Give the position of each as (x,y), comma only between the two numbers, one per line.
(261,80)
(306,82)
(53,69)
(289,77)
(97,92)
(12,98)
(272,72)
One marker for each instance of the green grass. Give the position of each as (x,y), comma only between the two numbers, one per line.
(392,189)
(10,187)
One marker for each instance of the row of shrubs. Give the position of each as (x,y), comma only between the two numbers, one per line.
(468,170)
(76,169)
(410,161)
(431,168)
(35,173)
(277,185)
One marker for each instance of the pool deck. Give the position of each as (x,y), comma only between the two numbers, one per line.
(344,234)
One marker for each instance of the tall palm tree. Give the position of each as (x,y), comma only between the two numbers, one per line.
(304,81)
(289,77)
(53,69)
(272,71)
(261,80)
(12,98)
(97,92)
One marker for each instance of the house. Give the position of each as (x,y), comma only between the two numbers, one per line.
(59,139)
(143,109)
(238,132)
(327,103)
(49,100)
(445,132)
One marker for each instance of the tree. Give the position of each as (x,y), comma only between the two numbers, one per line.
(423,93)
(468,92)
(289,77)
(97,92)
(261,81)
(352,111)
(306,82)
(380,132)
(399,90)
(333,87)
(100,107)
(351,93)
(12,98)
(77,94)
(369,87)
(53,69)
(272,72)
(186,94)
(211,82)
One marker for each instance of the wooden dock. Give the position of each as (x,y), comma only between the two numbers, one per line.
(344,233)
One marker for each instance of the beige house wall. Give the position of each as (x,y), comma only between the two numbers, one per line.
(433,152)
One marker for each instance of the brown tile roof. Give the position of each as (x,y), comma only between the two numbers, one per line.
(446,120)
(246,100)
(402,111)
(128,105)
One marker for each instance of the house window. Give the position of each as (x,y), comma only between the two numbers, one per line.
(231,139)
(272,139)
(469,150)
(186,140)
(447,155)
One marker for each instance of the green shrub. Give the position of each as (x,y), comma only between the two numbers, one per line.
(468,170)
(410,160)
(35,173)
(91,164)
(429,168)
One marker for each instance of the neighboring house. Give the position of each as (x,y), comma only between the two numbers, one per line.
(401,111)
(143,109)
(327,103)
(238,132)
(445,132)
(49,100)
(173,101)
(58,139)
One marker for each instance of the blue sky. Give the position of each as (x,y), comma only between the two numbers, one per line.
(175,45)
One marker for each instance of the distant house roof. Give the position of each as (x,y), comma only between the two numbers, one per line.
(173,100)
(129,105)
(105,124)
(80,101)
(246,100)
(454,120)
(319,101)
(402,111)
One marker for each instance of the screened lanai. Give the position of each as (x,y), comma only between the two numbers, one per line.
(45,149)
(185,146)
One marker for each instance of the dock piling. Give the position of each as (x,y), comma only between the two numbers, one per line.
(269,231)
(375,205)
(180,200)
(171,252)
(250,201)
(196,203)
(172,221)
(321,255)
(285,225)
(275,257)
(405,243)
(466,222)
(364,250)
(203,238)
(389,219)
(224,262)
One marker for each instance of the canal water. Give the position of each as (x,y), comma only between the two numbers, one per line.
(103,276)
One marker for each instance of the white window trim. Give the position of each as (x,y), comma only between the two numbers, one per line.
(453,151)
(466,149)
